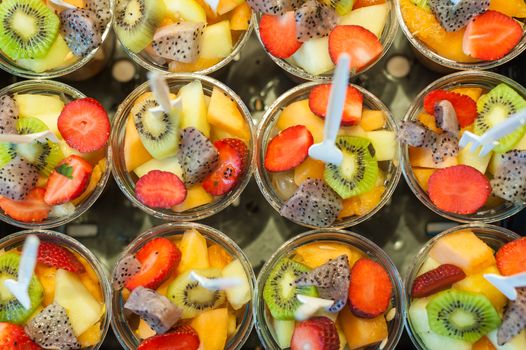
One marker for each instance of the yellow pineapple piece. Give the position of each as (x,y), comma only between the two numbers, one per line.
(512,8)
(46,276)
(363,203)
(96,175)
(429,121)
(317,254)
(212,328)
(299,113)
(309,169)
(144,331)
(224,114)
(472,92)
(428,265)
(199,64)
(361,332)
(240,18)
(91,336)
(422,176)
(194,252)
(196,196)
(218,256)
(372,120)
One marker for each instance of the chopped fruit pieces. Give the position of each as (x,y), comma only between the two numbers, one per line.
(512,8)
(53,255)
(362,204)
(465,107)
(278,34)
(372,120)
(314,255)
(316,333)
(196,196)
(483,344)
(226,175)
(299,113)
(372,18)
(218,256)
(352,110)
(288,149)
(422,176)
(511,258)
(436,280)
(362,332)
(309,169)
(182,338)
(224,114)
(13,337)
(91,337)
(384,144)
(32,209)
(68,181)
(160,189)
(98,171)
(212,327)
(194,252)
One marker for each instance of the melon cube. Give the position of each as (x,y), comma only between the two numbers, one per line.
(476,283)
(361,332)
(309,169)
(495,162)
(217,40)
(384,144)
(240,18)
(299,113)
(313,56)
(196,196)
(47,108)
(422,176)
(517,343)
(423,158)
(372,18)
(224,114)
(170,165)
(317,254)
(194,107)
(372,120)
(283,331)
(212,328)
(194,252)
(188,10)
(240,295)
(473,159)
(135,154)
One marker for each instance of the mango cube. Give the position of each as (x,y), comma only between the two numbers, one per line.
(196,196)
(212,327)
(309,169)
(361,332)
(317,254)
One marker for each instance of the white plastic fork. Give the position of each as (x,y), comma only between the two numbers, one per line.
(29,138)
(489,139)
(214,284)
(309,306)
(507,284)
(161,91)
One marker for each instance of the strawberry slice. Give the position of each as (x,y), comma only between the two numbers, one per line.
(436,280)
(318,333)
(352,110)
(459,189)
(158,259)
(370,289)
(241,149)
(465,107)
(227,172)
(288,149)
(362,45)
(13,337)
(160,189)
(68,181)
(32,209)
(182,338)
(511,257)
(491,36)
(56,256)
(84,124)
(278,34)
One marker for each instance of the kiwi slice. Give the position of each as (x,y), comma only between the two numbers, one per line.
(462,315)
(358,171)
(7,153)
(136,22)
(280,289)
(191,297)
(342,7)
(28,28)
(495,107)
(10,309)
(30,125)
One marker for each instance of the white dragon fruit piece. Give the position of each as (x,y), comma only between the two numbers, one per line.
(179,42)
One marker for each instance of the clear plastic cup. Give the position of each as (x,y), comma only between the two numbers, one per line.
(126,180)
(494,236)
(120,324)
(16,241)
(482,79)
(67,94)
(370,250)
(267,129)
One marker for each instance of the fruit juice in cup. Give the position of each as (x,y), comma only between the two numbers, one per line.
(51,38)
(305,38)
(456,183)
(358,276)
(49,182)
(464,34)
(156,301)
(183,36)
(451,304)
(194,178)
(69,294)
(314,194)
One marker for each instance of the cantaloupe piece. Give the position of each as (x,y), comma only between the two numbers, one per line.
(512,8)
(483,344)
(212,329)
(194,252)
(372,120)
(135,154)
(218,256)
(465,250)
(299,113)
(91,337)
(309,169)
(216,41)
(429,121)
(422,176)
(240,18)
(225,6)
(224,114)
(363,203)
(423,158)
(317,254)
(196,196)
(473,92)
(361,332)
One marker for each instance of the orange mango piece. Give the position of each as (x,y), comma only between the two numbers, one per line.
(362,204)
(422,176)
(212,328)
(372,120)
(218,256)
(240,19)
(96,175)
(134,152)
(429,122)
(361,332)
(299,113)
(309,169)
(46,276)
(199,64)
(317,254)
(512,8)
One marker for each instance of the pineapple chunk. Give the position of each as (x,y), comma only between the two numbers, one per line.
(313,56)
(196,196)
(47,108)
(240,295)
(194,252)
(59,55)
(422,176)
(372,18)
(299,113)
(168,164)
(384,144)
(240,19)
(309,169)
(217,40)
(317,254)
(372,120)
(228,5)
(517,343)
(361,332)
(218,256)
(212,328)
(478,284)
(224,114)
(188,10)
(194,107)
(135,154)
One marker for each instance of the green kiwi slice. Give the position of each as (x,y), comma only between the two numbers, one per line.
(28,28)
(7,153)
(30,125)
(495,107)
(462,315)
(342,7)
(357,173)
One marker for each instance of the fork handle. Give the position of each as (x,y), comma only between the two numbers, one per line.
(337,99)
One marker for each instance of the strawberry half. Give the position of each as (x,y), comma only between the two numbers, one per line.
(242,150)
(491,36)
(318,333)
(370,289)
(182,338)
(459,189)
(32,209)
(68,181)
(158,259)
(352,110)
(436,280)
(278,34)
(13,337)
(226,174)
(465,107)
(288,149)
(56,256)
(84,124)
(511,257)
(160,189)
(362,45)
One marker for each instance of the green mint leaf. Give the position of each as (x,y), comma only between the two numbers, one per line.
(65,170)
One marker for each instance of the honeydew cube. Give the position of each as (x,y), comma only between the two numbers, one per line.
(313,56)
(283,331)
(170,165)
(217,40)
(188,10)
(59,55)
(372,18)
(240,295)
(384,144)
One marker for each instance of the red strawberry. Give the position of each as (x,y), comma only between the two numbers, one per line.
(362,45)
(465,106)
(68,181)
(182,338)
(278,34)
(13,337)
(241,149)
(436,280)
(370,289)
(352,110)
(31,209)
(160,189)
(159,258)
(84,124)
(288,149)
(491,35)
(227,172)
(511,257)
(459,189)
(56,256)
(318,333)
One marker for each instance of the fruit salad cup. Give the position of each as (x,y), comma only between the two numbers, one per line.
(452,305)
(309,192)
(157,300)
(51,38)
(190,164)
(361,285)
(52,180)
(183,36)
(468,35)
(305,38)
(69,296)
(458,183)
